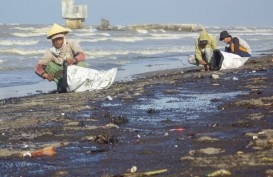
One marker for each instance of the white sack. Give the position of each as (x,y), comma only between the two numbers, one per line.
(232,61)
(82,79)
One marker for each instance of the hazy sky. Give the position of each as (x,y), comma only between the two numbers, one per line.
(256,13)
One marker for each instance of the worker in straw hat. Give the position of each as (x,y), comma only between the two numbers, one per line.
(50,67)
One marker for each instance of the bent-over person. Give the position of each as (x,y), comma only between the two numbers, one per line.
(50,66)
(204,47)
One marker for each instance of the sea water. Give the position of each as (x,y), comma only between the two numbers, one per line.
(131,51)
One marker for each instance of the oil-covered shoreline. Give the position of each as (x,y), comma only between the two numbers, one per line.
(106,133)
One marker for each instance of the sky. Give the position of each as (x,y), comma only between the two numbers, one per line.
(246,13)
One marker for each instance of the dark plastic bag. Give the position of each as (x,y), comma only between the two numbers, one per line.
(216,60)
(62,85)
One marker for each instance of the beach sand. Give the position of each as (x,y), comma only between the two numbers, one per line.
(106,133)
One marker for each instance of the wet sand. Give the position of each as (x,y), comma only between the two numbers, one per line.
(189,122)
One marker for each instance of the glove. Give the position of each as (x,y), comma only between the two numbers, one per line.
(49,77)
(71,61)
(202,62)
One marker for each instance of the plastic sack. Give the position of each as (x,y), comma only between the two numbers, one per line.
(81,79)
(224,60)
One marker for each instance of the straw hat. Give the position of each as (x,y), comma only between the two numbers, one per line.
(57,31)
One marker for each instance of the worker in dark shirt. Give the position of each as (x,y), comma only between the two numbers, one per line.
(235,44)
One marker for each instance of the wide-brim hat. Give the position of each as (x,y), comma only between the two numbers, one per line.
(57,30)
(223,35)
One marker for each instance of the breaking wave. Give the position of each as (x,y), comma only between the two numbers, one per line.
(138,53)
(21,43)
(14,68)
(13,51)
(28,34)
(2,61)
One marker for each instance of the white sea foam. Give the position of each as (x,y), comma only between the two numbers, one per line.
(92,40)
(116,39)
(251,31)
(85,34)
(267,38)
(142,31)
(92,34)
(21,43)
(100,53)
(24,28)
(160,36)
(104,34)
(156,36)
(88,29)
(2,61)
(127,39)
(252,34)
(21,51)
(28,34)
(14,68)
(30,31)
(138,53)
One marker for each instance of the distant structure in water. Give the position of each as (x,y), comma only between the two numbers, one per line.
(74,15)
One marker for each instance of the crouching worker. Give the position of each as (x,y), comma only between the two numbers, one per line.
(50,67)
(235,45)
(204,47)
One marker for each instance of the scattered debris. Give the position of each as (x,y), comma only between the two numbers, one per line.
(207,139)
(177,129)
(111,126)
(118,120)
(256,91)
(133,169)
(48,151)
(240,153)
(221,172)
(235,78)
(101,139)
(109,98)
(214,76)
(149,173)
(170,92)
(267,159)
(214,125)
(94,149)
(152,111)
(208,151)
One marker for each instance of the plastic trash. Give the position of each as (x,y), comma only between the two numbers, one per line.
(224,60)
(109,98)
(149,173)
(221,172)
(133,169)
(214,76)
(267,159)
(235,78)
(48,151)
(177,129)
(81,79)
